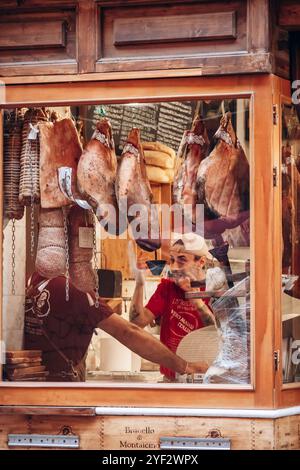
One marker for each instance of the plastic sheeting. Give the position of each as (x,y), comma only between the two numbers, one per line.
(232,314)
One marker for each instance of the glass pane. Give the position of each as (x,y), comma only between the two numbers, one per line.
(180,169)
(291,244)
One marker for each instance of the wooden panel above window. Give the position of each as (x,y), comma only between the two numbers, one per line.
(169,35)
(163,30)
(85,39)
(289,14)
(33,35)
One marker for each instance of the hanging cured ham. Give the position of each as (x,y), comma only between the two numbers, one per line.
(223,182)
(96,175)
(192,150)
(59,147)
(133,188)
(82,274)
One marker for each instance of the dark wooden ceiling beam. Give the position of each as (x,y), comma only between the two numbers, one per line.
(289,14)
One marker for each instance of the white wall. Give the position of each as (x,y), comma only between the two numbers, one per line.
(13,305)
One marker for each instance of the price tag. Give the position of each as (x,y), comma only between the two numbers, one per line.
(86,237)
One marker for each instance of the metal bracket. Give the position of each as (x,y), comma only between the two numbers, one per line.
(198,443)
(275,176)
(275,114)
(43,440)
(65,185)
(276,360)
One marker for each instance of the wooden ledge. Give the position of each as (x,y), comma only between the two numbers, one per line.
(48,410)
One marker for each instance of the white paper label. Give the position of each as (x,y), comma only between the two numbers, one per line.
(86,237)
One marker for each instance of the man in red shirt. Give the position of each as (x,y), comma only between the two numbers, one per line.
(62,330)
(178,317)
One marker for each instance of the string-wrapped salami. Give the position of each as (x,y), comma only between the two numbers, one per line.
(82,274)
(30,158)
(11,169)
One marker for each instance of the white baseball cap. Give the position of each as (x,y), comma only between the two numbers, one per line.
(190,243)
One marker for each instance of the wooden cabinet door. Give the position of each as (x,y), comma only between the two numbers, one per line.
(38,41)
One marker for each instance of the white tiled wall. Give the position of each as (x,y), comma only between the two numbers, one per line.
(94,354)
(13,305)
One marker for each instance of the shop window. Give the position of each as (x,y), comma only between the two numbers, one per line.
(290,244)
(62,255)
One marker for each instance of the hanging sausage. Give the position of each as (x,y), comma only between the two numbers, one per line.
(11,168)
(96,175)
(30,158)
(13,209)
(81,242)
(133,187)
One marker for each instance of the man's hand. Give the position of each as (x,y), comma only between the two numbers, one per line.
(194,367)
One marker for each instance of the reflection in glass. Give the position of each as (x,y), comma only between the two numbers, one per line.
(193,292)
(290,184)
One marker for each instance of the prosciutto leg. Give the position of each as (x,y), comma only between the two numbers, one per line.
(96,176)
(132,189)
(192,150)
(60,146)
(223,182)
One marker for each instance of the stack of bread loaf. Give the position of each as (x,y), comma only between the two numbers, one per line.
(160,160)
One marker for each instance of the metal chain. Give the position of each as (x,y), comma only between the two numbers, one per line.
(95,263)
(67,274)
(13,257)
(32,238)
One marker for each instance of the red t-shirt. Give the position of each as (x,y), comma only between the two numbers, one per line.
(179,317)
(52,324)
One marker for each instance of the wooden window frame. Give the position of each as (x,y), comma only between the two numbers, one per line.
(286,394)
(260,393)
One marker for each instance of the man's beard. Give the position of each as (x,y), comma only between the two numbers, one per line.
(193,273)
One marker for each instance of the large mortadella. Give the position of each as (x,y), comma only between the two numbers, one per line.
(96,175)
(134,194)
(51,250)
(223,182)
(192,150)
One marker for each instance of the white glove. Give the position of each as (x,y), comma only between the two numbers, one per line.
(137,273)
(216,279)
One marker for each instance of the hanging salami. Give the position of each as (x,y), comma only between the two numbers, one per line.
(12,168)
(81,240)
(30,157)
